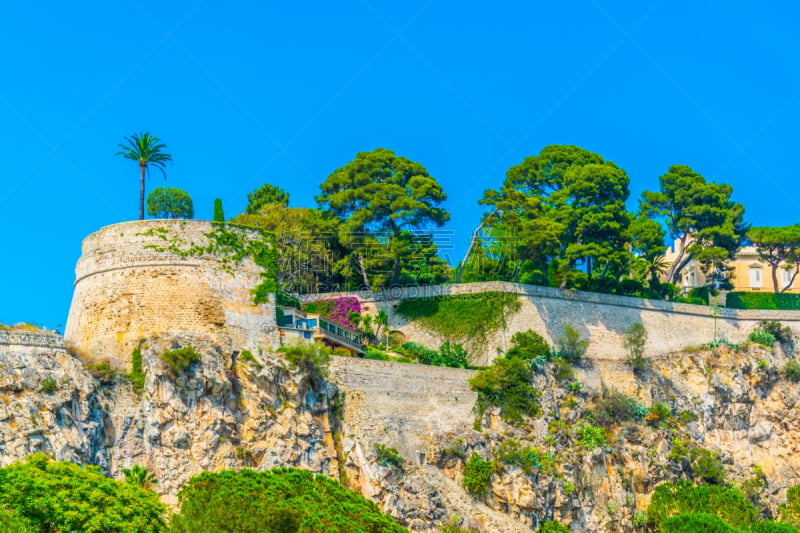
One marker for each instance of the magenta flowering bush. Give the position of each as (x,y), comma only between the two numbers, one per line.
(336,309)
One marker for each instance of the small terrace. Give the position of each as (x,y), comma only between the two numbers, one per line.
(294,323)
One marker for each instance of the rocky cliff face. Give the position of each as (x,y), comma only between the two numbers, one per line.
(226,412)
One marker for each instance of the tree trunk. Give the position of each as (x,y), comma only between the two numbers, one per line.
(142,168)
(360,261)
(796,270)
(469,251)
(673,271)
(775,277)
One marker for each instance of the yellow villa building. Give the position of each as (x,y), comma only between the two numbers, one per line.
(749,273)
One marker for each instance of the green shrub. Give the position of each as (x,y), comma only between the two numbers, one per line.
(60,496)
(790,509)
(570,345)
(708,466)
(528,345)
(103,371)
(551,526)
(591,437)
(613,407)
(634,339)
(387,456)
(679,450)
(247,357)
(180,359)
(791,371)
(450,355)
(11,522)
(375,355)
(562,370)
(782,334)
(477,475)
(511,452)
(311,360)
(463,318)
(772,527)
(639,519)
(279,500)
(507,385)
(659,413)
(137,370)
(696,522)
(729,504)
(762,337)
(689,300)
(762,300)
(49,386)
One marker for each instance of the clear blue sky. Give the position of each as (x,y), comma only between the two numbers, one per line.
(250,92)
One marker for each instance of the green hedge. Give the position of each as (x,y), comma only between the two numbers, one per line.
(762,300)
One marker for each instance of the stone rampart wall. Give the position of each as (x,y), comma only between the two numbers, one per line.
(33,339)
(599,317)
(129,287)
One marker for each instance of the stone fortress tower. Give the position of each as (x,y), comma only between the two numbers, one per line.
(138,279)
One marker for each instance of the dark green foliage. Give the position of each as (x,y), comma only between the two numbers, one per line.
(634,338)
(380,199)
(49,386)
(696,522)
(782,334)
(168,202)
(778,247)
(387,456)
(613,407)
(267,194)
(283,500)
(57,496)
(376,355)
(450,355)
(247,357)
(707,466)
(592,437)
(772,527)
(688,300)
(477,475)
(658,414)
(700,293)
(507,385)
(791,371)
(759,336)
(137,370)
(11,522)
(281,298)
(462,318)
(103,371)
(562,370)
(528,345)
(729,504)
(219,213)
(790,510)
(147,152)
(551,526)
(139,476)
(511,452)
(180,359)
(311,360)
(570,345)
(762,300)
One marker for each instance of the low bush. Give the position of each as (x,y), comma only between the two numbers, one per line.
(683,497)
(511,452)
(562,370)
(528,345)
(507,385)
(477,475)
(658,414)
(613,407)
(311,360)
(791,371)
(387,456)
(592,437)
(707,466)
(103,371)
(762,300)
(180,359)
(449,355)
(247,357)
(762,337)
(551,526)
(783,334)
(49,386)
(634,339)
(570,345)
(137,370)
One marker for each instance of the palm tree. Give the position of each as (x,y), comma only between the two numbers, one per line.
(144,149)
(139,476)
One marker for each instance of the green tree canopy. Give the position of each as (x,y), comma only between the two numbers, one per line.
(219,213)
(382,200)
(707,225)
(148,152)
(281,500)
(58,496)
(265,195)
(778,246)
(562,209)
(167,202)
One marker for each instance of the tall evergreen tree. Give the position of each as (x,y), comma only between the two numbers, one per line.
(147,152)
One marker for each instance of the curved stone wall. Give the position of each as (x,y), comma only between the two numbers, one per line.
(133,282)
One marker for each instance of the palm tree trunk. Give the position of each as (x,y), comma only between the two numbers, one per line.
(142,167)
(469,251)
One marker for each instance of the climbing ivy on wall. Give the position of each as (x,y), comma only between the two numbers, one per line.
(466,318)
(230,244)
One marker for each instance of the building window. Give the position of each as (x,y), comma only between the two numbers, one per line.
(755,278)
(786,277)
